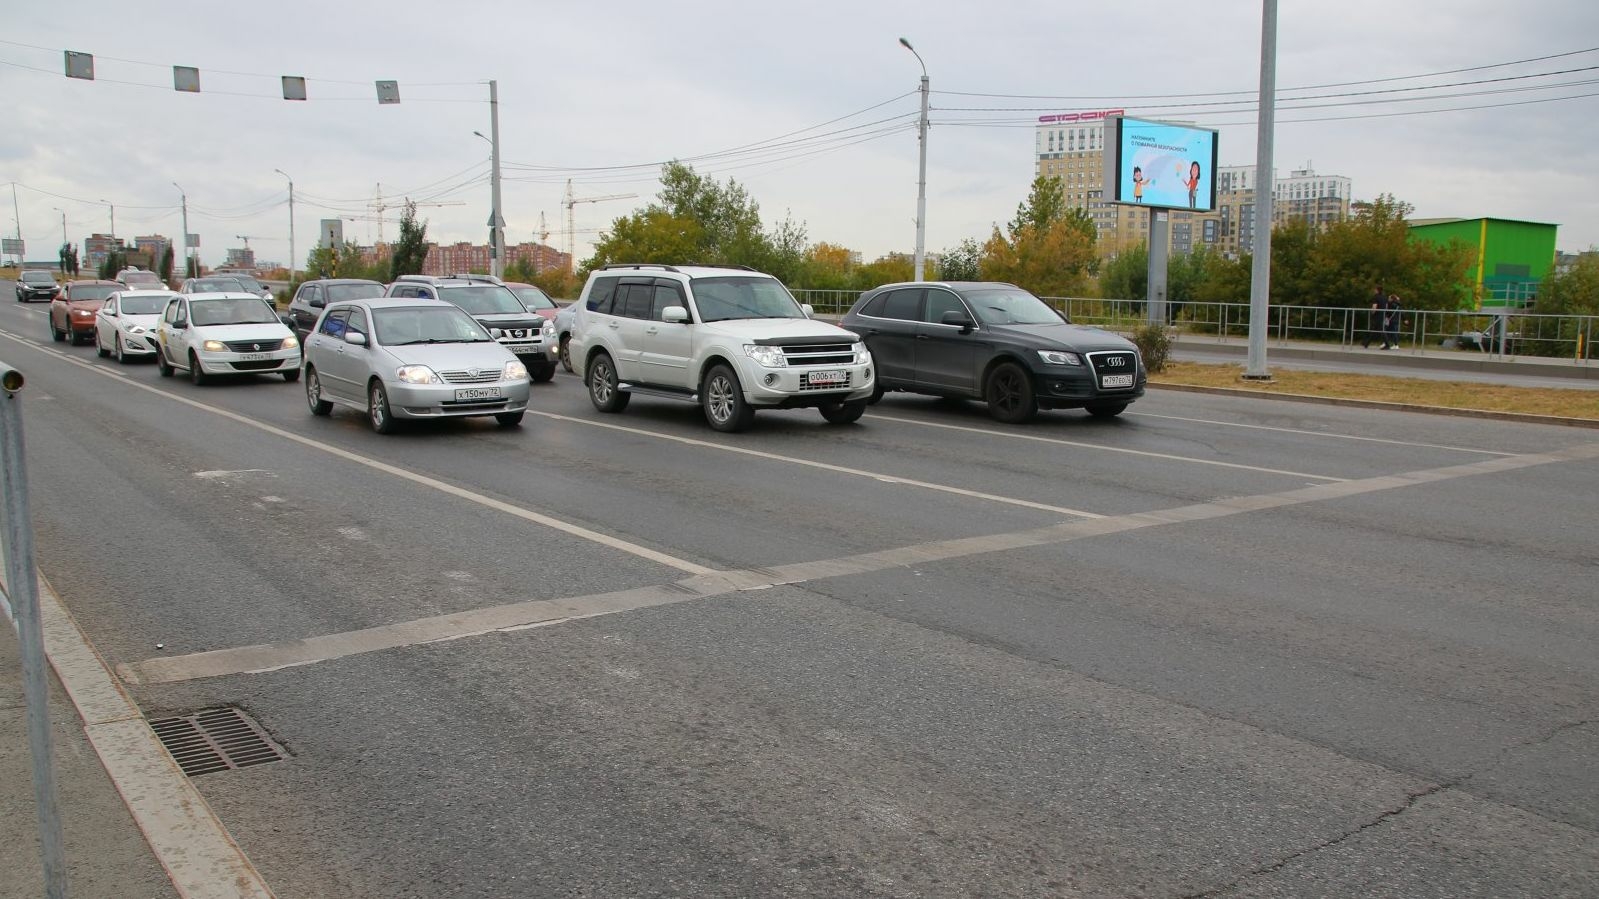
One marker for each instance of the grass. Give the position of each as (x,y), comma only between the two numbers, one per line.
(1554,401)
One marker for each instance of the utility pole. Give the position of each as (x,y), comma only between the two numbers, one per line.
(291,224)
(188,264)
(921,176)
(1265,197)
(496,218)
(113,207)
(16,212)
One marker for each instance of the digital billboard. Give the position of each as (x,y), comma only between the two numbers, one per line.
(1160,164)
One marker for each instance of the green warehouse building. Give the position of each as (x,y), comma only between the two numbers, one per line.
(1511,257)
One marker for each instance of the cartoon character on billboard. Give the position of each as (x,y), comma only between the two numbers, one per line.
(1138,184)
(1191,182)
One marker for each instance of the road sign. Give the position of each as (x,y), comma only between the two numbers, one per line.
(11,246)
(388,92)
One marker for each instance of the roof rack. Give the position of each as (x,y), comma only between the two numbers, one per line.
(639,265)
(744,268)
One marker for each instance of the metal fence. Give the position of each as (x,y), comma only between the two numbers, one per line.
(1492,333)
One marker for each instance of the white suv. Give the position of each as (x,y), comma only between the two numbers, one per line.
(728,338)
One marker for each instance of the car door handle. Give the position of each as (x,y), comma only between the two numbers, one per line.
(614,325)
(652,330)
(921,337)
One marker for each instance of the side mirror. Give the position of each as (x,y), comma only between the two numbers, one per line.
(355,338)
(675,315)
(288,321)
(810,311)
(180,326)
(316,302)
(958,319)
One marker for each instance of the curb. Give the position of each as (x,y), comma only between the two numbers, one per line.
(1524,417)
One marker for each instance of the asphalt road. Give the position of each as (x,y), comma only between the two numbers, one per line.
(1218,646)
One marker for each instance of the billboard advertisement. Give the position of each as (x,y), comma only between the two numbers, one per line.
(1160,164)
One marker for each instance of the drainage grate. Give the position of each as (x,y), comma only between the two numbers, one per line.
(216,740)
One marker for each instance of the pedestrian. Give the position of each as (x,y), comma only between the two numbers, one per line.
(1374,319)
(1390,338)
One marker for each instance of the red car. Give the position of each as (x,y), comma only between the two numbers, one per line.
(536,300)
(72,311)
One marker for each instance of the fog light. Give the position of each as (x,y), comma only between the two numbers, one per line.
(770,380)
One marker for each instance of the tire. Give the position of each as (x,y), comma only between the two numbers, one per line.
(844,413)
(877,392)
(509,419)
(1009,392)
(99,348)
(1107,410)
(377,409)
(723,401)
(602,382)
(57,336)
(543,373)
(566,352)
(161,362)
(313,394)
(117,353)
(197,375)
(290,376)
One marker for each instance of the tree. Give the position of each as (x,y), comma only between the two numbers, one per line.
(1572,292)
(65,255)
(1127,276)
(167,258)
(1049,249)
(72,258)
(653,235)
(115,261)
(411,250)
(961,262)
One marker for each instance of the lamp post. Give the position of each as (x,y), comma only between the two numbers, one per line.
(921,176)
(291,225)
(189,268)
(496,220)
(63,212)
(113,207)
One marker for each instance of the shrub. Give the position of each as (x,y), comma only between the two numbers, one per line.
(1154,344)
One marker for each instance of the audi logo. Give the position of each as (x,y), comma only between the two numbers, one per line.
(1115,362)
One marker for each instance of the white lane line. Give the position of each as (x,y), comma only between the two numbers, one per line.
(824,466)
(543,613)
(1013,435)
(414,477)
(1335,436)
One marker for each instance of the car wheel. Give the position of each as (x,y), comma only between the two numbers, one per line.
(844,413)
(566,352)
(603,391)
(313,394)
(55,335)
(291,375)
(1107,410)
(877,392)
(377,409)
(509,419)
(99,348)
(1009,393)
(723,400)
(161,362)
(196,374)
(116,350)
(543,372)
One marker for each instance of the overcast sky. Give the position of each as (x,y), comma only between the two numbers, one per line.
(602,93)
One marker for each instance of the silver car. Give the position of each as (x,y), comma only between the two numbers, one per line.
(403,358)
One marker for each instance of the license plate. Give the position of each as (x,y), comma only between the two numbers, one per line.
(477,393)
(824,378)
(1116,381)
(522,347)
(252,357)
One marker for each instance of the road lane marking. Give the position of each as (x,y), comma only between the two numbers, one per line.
(547,612)
(1336,436)
(490,502)
(824,466)
(1171,457)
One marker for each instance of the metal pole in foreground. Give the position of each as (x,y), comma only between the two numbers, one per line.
(497,216)
(291,226)
(921,172)
(22,588)
(1265,199)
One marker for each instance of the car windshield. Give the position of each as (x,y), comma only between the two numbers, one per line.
(139,278)
(231,312)
(720,299)
(38,278)
(407,325)
(533,298)
(215,285)
(248,283)
(92,291)
(148,305)
(338,292)
(483,299)
(1011,306)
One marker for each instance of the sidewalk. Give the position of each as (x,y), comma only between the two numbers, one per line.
(106,854)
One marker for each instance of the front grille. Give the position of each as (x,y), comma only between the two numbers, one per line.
(1114,363)
(819,354)
(254,346)
(806,386)
(474,376)
(257,364)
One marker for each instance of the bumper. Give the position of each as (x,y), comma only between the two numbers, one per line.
(137,344)
(36,296)
(249,363)
(439,400)
(786,388)
(1058,389)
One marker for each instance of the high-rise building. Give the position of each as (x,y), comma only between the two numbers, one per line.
(153,245)
(462,257)
(241,258)
(95,249)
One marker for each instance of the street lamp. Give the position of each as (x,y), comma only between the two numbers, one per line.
(921,178)
(291,225)
(113,208)
(64,240)
(190,270)
(496,220)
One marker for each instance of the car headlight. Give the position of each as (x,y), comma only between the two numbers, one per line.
(84,313)
(1059,357)
(769,356)
(291,342)
(862,354)
(416,374)
(549,328)
(214,346)
(136,329)
(514,371)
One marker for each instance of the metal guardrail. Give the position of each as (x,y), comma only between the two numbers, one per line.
(21,605)
(1496,334)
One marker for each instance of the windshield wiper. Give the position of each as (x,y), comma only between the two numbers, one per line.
(440,340)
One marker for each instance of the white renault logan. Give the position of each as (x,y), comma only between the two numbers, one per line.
(234,333)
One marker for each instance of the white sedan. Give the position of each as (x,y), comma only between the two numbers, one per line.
(233,333)
(125,326)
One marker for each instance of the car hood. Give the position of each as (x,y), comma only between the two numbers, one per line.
(142,321)
(261,331)
(85,305)
(510,320)
(778,330)
(453,356)
(1060,335)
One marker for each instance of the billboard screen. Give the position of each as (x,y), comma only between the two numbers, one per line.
(1160,164)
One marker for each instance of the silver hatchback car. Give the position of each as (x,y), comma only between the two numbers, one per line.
(401,358)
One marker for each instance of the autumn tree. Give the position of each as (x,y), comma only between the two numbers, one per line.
(1047,248)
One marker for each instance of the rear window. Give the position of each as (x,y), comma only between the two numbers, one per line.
(338,292)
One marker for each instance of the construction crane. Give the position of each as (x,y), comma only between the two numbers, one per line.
(571,225)
(246,238)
